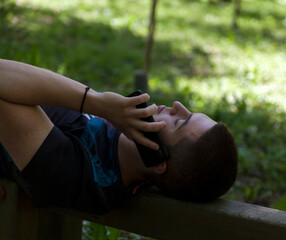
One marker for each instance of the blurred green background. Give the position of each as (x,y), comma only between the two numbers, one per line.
(236,75)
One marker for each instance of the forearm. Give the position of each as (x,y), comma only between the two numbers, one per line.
(28,85)
(25,84)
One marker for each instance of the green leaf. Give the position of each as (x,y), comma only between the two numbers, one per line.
(281,204)
(98,231)
(113,233)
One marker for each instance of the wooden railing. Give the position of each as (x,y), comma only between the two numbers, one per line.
(149,214)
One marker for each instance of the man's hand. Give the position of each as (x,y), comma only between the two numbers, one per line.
(123,114)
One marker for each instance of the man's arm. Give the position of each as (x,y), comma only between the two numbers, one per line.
(24,84)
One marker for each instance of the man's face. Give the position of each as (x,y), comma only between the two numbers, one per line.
(181,122)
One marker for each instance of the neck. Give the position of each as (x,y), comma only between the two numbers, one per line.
(131,166)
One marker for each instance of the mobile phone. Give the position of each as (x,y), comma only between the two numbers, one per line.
(149,156)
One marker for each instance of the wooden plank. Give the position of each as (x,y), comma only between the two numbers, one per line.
(21,219)
(18,214)
(54,226)
(157,216)
(27,218)
(149,214)
(8,211)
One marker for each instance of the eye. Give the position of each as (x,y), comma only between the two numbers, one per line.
(176,121)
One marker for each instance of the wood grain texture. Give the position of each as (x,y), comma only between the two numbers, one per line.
(22,219)
(150,214)
(8,211)
(154,215)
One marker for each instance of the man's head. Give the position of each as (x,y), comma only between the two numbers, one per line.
(203,155)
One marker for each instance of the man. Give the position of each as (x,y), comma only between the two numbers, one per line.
(80,161)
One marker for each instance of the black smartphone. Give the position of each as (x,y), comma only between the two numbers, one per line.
(149,156)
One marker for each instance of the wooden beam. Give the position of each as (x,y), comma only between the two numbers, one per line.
(26,218)
(149,213)
(157,216)
(22,219)
(8,211)
(55,226)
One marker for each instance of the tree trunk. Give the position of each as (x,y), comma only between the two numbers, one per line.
(236,12)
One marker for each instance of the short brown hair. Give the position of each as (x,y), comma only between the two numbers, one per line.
(201,170)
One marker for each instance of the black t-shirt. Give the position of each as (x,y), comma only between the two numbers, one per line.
(77,165)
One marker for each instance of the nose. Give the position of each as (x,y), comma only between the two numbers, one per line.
(178,108)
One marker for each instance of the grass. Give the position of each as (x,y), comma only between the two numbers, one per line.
(235,76)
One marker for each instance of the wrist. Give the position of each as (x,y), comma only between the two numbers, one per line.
(94,103)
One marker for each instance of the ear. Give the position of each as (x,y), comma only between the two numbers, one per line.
(160,168)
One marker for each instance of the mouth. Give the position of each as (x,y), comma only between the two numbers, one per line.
(160,109)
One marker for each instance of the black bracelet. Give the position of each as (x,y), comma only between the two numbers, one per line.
(83,100)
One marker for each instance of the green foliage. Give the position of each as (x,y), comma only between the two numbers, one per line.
(100,232)
(281,204)
(94,231)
